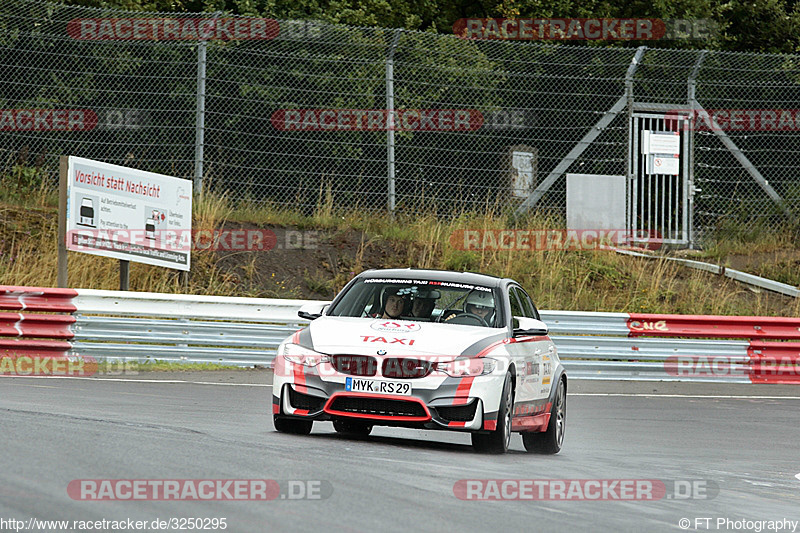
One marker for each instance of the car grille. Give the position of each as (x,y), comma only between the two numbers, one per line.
(458,413)
(378,406)
(406,368)
(305,401)
(355,365)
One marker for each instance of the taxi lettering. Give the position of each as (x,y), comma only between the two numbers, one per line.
(384,340)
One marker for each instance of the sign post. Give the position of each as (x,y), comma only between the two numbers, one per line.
(124,275)
(63,166)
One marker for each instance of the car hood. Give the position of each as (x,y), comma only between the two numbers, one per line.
(365,336)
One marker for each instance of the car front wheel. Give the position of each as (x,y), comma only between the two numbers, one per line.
(498,440)
(550,441)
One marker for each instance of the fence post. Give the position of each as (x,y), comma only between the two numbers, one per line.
(200,117)
(630,182)
(629,75)
(390,171)
(691,91)
(200,112)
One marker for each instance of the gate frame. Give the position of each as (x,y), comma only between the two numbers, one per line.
(661,112)
(628,104)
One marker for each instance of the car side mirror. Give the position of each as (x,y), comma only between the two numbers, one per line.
(525,327)
(313,310)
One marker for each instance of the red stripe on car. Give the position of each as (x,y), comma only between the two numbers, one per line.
(298,372)
(462,393)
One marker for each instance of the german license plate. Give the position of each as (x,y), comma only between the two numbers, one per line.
(374,386)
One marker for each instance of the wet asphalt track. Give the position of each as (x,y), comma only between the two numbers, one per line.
(56,430)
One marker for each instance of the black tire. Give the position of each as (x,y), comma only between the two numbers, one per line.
(352,428)
(292,425)
(498,440)
(550,441)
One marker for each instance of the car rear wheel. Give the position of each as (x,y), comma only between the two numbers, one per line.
(352,428)
(292,425)
(550,441)
(498,440)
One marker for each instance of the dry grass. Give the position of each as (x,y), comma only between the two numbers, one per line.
(28,255)
(589,280)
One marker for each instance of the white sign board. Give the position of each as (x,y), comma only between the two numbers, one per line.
(663,164)
(128,214)
(661,142)
(522,173)
(596,202)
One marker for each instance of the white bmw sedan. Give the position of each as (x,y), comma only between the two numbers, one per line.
(425,349)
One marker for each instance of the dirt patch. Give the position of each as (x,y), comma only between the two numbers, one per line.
(307,264)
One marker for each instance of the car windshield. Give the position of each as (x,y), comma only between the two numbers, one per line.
(420,300)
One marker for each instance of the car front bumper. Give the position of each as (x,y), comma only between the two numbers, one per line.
(437,401)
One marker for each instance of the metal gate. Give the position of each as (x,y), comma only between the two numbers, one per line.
(659,183)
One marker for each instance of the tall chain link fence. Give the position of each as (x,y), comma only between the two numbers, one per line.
(289,113)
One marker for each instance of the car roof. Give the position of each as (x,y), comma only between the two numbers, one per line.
(471,278)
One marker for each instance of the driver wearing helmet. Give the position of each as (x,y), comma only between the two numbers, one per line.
(480,304)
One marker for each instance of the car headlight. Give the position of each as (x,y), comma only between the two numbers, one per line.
(468,366)
(294,353)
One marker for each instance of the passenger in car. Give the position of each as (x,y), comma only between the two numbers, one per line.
(392,304)
(423,304)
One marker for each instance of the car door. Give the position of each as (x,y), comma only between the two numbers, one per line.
(527,353)
(548,357)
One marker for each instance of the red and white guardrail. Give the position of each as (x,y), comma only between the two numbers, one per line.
(113,325)
(678,347)
(27,334)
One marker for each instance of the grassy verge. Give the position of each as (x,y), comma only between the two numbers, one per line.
(113,368)
(590,280)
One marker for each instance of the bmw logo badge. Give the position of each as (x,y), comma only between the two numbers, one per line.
(381,352)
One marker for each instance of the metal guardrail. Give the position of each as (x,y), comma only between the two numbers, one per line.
(737,275)
(182,328)
(128,326)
